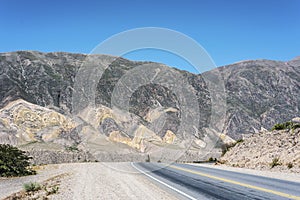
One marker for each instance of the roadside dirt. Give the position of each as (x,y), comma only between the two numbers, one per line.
(90,181)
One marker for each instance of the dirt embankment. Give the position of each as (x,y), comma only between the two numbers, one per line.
(277,150)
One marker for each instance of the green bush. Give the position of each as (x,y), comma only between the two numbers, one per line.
(14,162)
(275,162)
(286,125)
(31,186)
(72,148)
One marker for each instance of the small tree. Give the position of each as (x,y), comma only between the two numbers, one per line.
(14,162)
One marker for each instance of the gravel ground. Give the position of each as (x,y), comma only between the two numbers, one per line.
(92,181)
(109,181)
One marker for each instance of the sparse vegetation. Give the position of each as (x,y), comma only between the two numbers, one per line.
(286,125)
(275,162)
(53,190)
(14,162)
(290,165)
(72,148)
(211,159)
(32,187)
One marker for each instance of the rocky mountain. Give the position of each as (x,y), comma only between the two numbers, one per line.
(37,103)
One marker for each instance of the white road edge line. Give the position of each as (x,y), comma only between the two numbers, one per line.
(165,184)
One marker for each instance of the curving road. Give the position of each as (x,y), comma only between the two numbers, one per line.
(195,182)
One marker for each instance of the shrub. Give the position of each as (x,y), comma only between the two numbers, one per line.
(211,159)
(31,186)
(278,127)
(290,165)
(53,190)
(286,125)
(275,162)
(72,148)
(14,162)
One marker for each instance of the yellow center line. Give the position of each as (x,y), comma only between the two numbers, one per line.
(237,183)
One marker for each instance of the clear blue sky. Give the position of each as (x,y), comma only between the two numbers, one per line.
(230,31)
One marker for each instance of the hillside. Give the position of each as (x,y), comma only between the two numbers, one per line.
(37,106)
(268,150)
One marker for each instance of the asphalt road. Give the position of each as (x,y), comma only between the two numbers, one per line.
(195,182)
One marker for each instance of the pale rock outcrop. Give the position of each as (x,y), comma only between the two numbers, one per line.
(26,122)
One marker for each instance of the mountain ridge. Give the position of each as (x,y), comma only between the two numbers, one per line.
(259,94)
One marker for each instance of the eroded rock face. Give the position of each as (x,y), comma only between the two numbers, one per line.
(24,122)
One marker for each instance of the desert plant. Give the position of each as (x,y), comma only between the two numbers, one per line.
(14,162)
(286,125)
(211,159)
(275,162)
(53,190)
(72,148)
(290,165)
(278,127)
(31,186)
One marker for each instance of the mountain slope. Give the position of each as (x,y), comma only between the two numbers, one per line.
(258,93)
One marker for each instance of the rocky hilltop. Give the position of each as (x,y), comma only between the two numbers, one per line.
(37,106)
